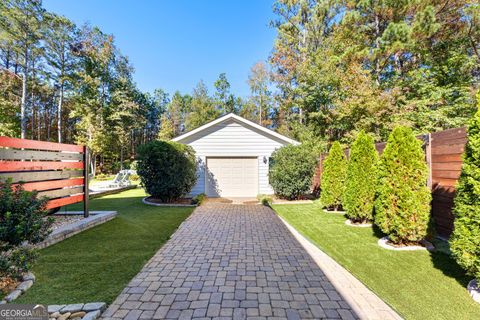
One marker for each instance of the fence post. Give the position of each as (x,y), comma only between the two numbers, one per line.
(86,163)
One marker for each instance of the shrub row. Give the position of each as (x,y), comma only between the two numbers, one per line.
(391,191)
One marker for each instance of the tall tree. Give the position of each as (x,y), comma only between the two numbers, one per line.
(59,42)
(202,108)
(224,100)
(344,66)
(258,80)
(22,23)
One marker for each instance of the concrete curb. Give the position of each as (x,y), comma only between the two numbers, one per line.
(96,218)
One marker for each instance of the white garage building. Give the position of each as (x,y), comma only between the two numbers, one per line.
(233,155)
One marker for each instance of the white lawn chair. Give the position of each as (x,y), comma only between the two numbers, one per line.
(120,180)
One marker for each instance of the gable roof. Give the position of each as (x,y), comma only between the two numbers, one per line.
(238,119)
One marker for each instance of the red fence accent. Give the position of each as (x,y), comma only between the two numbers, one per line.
(58,170)
(443,153)
(39,145)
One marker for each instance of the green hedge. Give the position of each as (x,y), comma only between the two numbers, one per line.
(333,177)
(359,196)
(465,240)
(402,206)
(167,169)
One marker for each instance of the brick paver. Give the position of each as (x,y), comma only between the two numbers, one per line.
(231,262)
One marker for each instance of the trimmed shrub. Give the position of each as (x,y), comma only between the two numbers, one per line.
(291,171)
(23,222)
(167,169)
(198,199)
(334,172)
(402,206)
(265,199)
(359,196)
(465,240)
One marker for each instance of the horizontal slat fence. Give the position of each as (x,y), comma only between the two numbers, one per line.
(58,171)
(443,153)
(447,149)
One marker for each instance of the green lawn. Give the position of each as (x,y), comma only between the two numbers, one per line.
(96,264)
(418,284)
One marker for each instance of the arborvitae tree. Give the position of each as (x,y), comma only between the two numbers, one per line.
(402,206)
(465,240)
(359,196)
(333,177)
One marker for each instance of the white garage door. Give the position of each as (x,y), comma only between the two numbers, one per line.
(232,177)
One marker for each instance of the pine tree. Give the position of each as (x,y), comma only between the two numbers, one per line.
(333,177)
(465,240)
(360,183)
(402,206)
(202,108)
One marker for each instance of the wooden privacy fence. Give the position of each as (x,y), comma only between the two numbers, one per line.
(443,153)
(58,171)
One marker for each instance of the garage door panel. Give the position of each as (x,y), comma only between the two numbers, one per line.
(232,177)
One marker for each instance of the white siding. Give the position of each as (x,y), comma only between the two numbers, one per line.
(200,185)
(263,185)
(233,139)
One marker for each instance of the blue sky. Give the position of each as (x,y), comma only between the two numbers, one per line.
(174,44)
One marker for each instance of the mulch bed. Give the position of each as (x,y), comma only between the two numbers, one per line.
(7,285)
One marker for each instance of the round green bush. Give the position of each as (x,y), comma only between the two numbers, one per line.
(465,240)
(291,171)
(359,196)
(402,206)
(167,169)
(334,172)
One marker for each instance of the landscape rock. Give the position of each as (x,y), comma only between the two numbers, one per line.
(13,295)
(64,316)
(72,308)
(78,314)
(29,276)
(92,306)
(25,285)
(92,315)
(55,308)
(474,290)
(56,314)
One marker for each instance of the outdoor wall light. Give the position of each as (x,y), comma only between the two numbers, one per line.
(264,159)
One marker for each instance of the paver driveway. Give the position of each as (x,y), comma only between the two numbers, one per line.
(230,261)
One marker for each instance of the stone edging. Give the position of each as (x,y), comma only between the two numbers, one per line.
(349,222)
(145,201)
(66,231)
(474,290)
(365,303)
(27,281)
(87,311)
(426,245)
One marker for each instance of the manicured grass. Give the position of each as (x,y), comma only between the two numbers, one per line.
(418,284)
(96,264)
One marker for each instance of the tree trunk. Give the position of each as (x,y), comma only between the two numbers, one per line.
(59,114)
(23,119)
